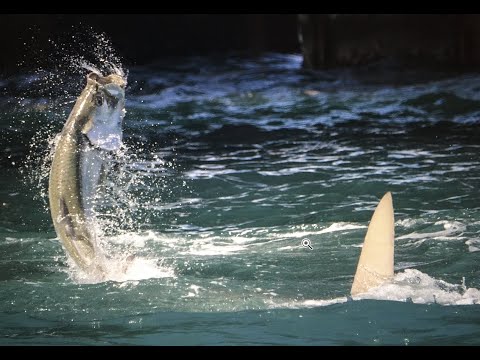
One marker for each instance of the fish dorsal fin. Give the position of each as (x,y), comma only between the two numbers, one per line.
(375,265)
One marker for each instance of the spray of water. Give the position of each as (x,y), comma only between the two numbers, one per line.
(50,90)
(121,207)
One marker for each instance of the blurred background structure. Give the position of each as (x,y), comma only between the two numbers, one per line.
(326,40)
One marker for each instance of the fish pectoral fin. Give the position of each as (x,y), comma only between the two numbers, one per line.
(76,230)
(66,220)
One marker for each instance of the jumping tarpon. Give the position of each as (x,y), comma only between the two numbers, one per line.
(93,128)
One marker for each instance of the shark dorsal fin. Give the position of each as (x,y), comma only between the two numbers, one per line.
(375,265)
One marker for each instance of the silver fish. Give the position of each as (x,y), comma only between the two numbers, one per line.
(93,128)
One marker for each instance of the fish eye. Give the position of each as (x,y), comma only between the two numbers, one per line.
(98,100)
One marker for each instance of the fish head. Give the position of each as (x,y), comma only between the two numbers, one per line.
(106,101)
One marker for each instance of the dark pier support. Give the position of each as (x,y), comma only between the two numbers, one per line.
(331,40)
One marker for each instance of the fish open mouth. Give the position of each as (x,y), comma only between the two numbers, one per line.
(104,126)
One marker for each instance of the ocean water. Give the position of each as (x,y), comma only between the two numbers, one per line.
(229,164)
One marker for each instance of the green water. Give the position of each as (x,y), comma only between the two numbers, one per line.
(230,164)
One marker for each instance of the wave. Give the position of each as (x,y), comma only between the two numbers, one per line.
(410,285)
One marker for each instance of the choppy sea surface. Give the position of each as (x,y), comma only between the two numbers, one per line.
(229,164)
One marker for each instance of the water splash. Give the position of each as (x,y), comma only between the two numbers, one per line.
(410,285)
(121,269)
(417,287)
(51,89)
(123,206)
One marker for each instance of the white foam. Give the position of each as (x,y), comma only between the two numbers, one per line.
(213,249)
(122,266)
(295,304)
(232,242)
(288,247)
(195,291)
(341,226)
(140,269)
(122,269)
(334,227)
(205,244)
(226,245)
(136,239)
(288,171)
(407,222)
(242,239)
(408,286)
(473,245)
(413,285)
(451,228)
(210,173)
